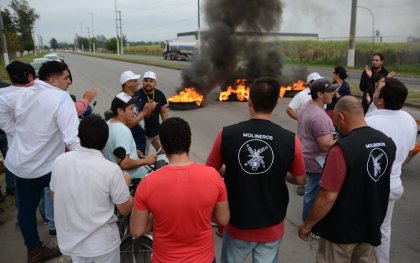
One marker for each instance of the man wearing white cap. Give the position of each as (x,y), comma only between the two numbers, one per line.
(295,106)
(150,94)
(302,97)
(129,82)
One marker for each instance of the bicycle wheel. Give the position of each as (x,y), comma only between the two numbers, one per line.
(134,250)
(143,249)
(126,251)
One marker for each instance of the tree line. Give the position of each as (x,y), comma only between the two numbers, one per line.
(18,22)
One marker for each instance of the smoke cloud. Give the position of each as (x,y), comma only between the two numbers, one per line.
(228,41)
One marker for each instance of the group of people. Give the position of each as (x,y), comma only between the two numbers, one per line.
(40,122)
(352,182)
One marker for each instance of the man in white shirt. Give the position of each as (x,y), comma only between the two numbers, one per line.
(21,75)
(402,128)
(87,230)
(41,120)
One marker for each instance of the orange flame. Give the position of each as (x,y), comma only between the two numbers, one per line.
(188,95)
(241,91)
(298,85)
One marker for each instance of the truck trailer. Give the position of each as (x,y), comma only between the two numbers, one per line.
(176,50)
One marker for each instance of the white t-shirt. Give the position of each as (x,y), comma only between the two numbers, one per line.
(402,129)
(86,188)
(300,99)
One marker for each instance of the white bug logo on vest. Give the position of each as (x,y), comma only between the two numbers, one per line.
(377,163)
(255,156)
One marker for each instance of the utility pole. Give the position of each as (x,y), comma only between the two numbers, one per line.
(352,41)
(33,39)
(93,35)
(116,27)
(198,31)
(122,36)
(3,42)
(90,50)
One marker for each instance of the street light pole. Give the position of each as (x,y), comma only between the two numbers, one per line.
(93,35)
(87,28)
(373,24)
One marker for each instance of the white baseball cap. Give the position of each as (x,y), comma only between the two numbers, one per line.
(149,75)
(313,76)
(128,75)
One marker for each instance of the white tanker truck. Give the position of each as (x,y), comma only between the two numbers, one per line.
(177,50)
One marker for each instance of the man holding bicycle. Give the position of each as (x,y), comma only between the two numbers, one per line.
(86,187)
(183,197)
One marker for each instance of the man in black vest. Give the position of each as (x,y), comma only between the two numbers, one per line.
(355,184)
(257,154)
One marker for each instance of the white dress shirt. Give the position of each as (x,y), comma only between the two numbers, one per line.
(44,120)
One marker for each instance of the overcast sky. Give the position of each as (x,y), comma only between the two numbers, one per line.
(155,20)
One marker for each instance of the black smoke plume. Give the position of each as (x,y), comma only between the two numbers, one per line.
(235,32)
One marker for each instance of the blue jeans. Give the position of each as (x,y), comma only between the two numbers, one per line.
(29,193)
(234,250)
(10,177)
(311,191)
(49,208)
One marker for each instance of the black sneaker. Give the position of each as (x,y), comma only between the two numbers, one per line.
(42,254)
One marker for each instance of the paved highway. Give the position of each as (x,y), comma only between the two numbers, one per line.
(205,123)
(412,83)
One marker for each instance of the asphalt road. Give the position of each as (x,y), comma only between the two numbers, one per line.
(205,123)
(412,83)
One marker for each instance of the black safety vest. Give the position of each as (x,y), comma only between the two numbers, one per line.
(257,155)
(360,208)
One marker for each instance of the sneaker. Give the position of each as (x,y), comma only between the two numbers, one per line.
(300,190)
(42,254)
(52,232)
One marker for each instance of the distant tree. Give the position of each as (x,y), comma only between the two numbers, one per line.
(12,38)
(54,43)
(24,20)
(82,42)
(111,44)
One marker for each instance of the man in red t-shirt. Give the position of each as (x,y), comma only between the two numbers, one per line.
(179,201)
